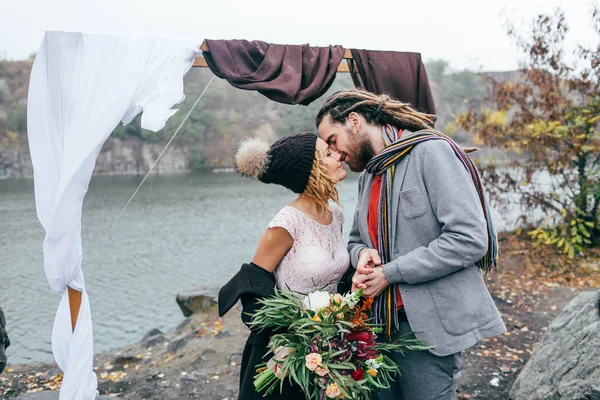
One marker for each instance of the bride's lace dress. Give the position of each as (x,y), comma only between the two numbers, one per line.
(318,258)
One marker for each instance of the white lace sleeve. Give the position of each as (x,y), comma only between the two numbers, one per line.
(287,220)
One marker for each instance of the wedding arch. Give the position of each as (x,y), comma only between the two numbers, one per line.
(83,85)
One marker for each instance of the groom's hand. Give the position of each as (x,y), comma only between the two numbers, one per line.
(377,283)
(367,260)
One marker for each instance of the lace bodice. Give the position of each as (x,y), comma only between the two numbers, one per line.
(318,258)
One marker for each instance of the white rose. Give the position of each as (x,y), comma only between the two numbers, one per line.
(316,301)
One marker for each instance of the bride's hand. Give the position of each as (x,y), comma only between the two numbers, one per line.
(361,281)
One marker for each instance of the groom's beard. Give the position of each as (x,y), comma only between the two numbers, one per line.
(362,152)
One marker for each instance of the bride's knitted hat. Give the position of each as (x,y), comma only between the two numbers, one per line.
(286,162)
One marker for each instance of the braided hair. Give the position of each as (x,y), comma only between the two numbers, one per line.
(377,109)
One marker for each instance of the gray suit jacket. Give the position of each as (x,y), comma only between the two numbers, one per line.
(439,233)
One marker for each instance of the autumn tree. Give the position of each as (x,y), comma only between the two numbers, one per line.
(547,120)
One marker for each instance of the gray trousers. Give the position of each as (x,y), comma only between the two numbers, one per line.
(424,376)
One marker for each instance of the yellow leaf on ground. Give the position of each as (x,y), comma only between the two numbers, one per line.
(218,327)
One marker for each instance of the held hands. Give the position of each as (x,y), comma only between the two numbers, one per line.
(369,274)
(368,259)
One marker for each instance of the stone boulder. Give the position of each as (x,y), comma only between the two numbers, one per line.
(198,299)
(152,338)
(124,361)
(4,342)
(178,343)
(566,364)
(186,326)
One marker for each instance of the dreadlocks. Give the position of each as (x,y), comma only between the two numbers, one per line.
(377,109)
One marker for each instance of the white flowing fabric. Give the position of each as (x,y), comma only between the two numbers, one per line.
(81,87)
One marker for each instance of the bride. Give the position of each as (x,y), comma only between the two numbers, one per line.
(302,248)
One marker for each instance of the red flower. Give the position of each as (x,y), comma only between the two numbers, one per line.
(364,351)
(358,375)
(362,336)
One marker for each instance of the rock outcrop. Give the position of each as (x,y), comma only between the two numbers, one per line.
(198,299)
(566,364)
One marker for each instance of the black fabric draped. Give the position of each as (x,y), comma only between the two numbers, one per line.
(399,75)
(291,74)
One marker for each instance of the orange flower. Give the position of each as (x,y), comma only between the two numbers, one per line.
(367,304)
(360,317)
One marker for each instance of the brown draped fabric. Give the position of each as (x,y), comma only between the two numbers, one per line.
(291,74)
(399,75)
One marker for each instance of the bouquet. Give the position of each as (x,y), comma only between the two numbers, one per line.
(326,346)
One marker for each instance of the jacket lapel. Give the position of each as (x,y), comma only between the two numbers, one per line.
(399,176)
(397,187)
(363,211)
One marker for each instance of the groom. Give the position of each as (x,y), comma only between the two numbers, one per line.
(420,237)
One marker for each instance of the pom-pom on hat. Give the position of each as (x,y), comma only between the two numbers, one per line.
(286,162)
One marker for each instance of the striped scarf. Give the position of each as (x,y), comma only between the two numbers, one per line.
(384,164)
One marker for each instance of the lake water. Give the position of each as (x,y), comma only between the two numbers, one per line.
(177,232)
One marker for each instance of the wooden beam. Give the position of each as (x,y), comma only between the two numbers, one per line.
(204,48)
(74,305)
(199,61)
(343,67)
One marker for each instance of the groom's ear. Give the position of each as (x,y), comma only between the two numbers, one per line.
(354,120)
